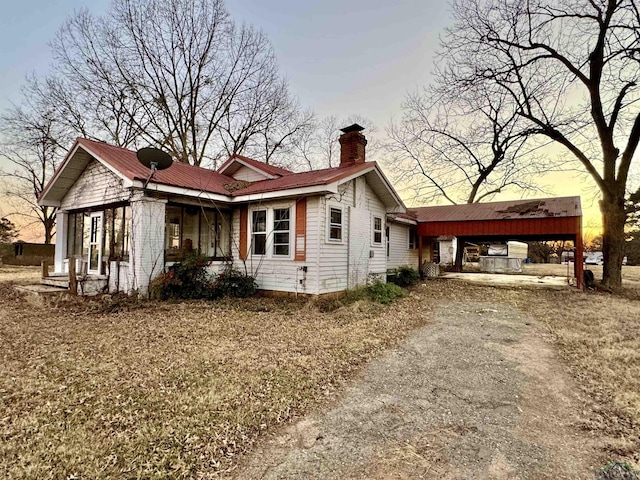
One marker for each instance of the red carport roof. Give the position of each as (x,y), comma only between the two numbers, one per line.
(507,210)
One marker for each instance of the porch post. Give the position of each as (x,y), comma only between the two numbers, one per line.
(62,231)
(146,244)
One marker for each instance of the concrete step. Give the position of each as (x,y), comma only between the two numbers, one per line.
(60,281)
(42,290)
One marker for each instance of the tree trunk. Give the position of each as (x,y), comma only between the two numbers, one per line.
(613,240)
(48,224)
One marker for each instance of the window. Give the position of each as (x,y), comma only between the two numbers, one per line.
(173,218)
(377,230)
(190,229)
(413,239)
(114,233)
(74,234)
(215,234)
(335,224)
(259,232)
(196,229)
(121,226)
(274,241)
(281,226)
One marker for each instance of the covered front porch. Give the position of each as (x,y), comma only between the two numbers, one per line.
(122,247)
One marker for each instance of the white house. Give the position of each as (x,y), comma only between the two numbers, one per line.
(313,232)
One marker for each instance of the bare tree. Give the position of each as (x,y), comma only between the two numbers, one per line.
(572,68)
(266,122)
(464,148)
(318,147)
(179,74)
(33,146)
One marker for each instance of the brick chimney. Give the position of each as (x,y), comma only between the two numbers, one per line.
(352,144)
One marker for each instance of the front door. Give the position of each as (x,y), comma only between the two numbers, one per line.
(95,243)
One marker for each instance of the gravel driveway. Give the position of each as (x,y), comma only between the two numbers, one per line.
(479,393)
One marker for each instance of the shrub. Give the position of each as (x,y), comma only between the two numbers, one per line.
(189,279)
(384,293)
(185,280)
(234,283)
(405,277)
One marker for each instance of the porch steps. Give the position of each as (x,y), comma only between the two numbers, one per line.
(42,290)
(60,281)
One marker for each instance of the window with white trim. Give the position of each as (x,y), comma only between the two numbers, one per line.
(259,232)
(281,231)
(377,230)
(335,224)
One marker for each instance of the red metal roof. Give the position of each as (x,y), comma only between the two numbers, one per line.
(304,179)
(182,175)
(178,175)
(508,210)
(270,169)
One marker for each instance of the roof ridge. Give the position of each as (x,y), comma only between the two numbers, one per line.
(102,142)
(262,165)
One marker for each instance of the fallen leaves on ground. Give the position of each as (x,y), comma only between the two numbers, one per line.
(106,388)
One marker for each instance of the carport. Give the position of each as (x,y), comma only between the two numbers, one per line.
(558,218)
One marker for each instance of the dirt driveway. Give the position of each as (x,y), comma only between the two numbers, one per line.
(479,393)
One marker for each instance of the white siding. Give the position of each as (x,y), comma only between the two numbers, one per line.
(360,248)
(357,259)
(399,252)
(314,239)
(247,174)
(278,273)
(333,257)
(97,185)
(378,260)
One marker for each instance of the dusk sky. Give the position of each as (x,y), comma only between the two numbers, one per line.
(340,58)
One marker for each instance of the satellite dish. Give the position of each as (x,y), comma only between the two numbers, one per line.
(154,159)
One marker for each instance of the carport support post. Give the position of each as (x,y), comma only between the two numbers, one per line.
(578,258)
(420,254)
(459,253)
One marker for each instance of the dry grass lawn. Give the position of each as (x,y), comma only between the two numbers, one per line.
(599,336)
(21,275)
(630,274)
(93,389)
(169,390)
